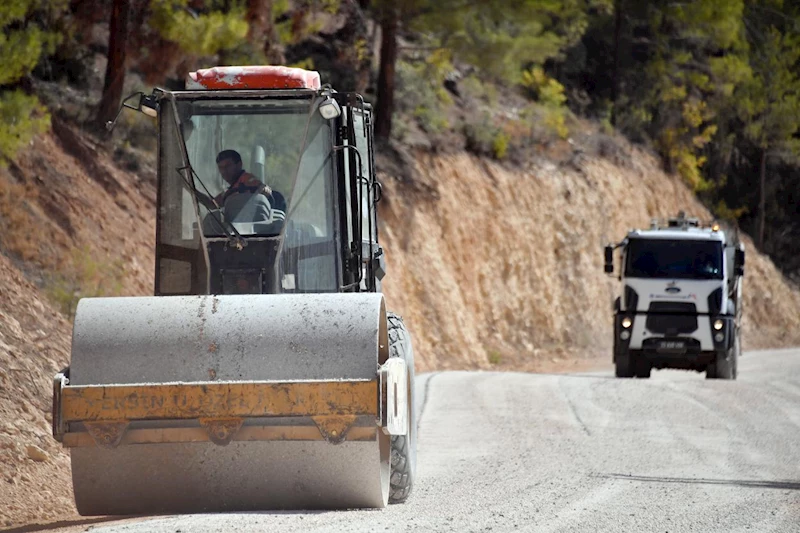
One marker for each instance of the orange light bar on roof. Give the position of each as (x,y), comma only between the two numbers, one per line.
(253,77)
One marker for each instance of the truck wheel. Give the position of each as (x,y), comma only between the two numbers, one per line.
(404,447)
(737,351)
(724,367)
(643,367)
(623,365)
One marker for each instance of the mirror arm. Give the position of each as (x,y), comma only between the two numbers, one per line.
(111,123)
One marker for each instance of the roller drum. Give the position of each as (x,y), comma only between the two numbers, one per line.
(229,338)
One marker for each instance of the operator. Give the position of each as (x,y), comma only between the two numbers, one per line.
(229,163)
(246,199)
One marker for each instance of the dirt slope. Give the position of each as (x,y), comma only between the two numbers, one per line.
(63,194)
(490,267)
(34,345)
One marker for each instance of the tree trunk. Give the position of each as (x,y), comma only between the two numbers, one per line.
(386,71)
(262,31)
(615,75)
(762,201)
(115,70)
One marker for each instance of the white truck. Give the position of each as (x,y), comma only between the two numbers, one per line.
(680,303)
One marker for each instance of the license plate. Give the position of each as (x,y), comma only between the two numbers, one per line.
(672,345)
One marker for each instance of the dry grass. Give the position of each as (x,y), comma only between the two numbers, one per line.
(20,232)
(84,276)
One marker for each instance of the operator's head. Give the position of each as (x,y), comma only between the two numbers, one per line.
(229,163)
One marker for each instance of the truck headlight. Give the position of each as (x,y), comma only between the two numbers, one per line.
(719,337)
(625,335)
(626,322)
(718,324)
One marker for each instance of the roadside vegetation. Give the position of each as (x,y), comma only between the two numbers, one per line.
(711,87)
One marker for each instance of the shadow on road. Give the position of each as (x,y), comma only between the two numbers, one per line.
(102,520)
(31,528)
(763,484)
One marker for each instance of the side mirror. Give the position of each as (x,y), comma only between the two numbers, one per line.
(147,104)
(609,266)
(738,262)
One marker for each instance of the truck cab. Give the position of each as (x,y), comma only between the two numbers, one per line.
(679,304)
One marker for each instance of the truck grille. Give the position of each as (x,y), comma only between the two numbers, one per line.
(671,318)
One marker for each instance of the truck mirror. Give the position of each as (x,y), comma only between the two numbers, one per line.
(147,104)
(738,262)
(609,266)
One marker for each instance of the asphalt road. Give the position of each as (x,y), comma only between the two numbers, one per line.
(581,452)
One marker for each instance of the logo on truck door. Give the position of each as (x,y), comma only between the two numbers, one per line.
(672,288)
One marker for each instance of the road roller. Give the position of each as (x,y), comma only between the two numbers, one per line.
(265,372)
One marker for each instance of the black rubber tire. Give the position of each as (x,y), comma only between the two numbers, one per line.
(642,367)
(404,447)
(725,367)
(623,365)
(737,351)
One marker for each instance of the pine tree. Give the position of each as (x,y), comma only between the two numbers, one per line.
(769,105)
(501,38)
(695,55)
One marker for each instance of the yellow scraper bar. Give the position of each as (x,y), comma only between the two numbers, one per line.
(218,400)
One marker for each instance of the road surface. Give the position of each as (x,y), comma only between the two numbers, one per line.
(580,452)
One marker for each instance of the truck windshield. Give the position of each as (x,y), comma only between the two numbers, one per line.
(683,259)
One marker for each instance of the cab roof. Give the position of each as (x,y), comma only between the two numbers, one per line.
(253,77)
(688,234)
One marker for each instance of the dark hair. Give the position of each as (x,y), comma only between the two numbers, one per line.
(229,154)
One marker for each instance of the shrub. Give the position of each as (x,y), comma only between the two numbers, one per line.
(500,145)
(494,357)
(85,276)
(22,117)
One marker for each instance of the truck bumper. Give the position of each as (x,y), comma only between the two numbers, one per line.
(685,350)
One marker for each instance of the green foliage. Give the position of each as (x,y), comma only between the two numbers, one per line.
(307,63)
(201,34)
(500,145)
(556,120)
(691,58)
(550,95)
(479,89)
(494,357)
(498,37)
(420,90)
(296,21)
(723,212)
(712,86)
(544,89)
(23,43)
(769,104)
(480,133)
(21,49)
(19,12)
(22,117)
